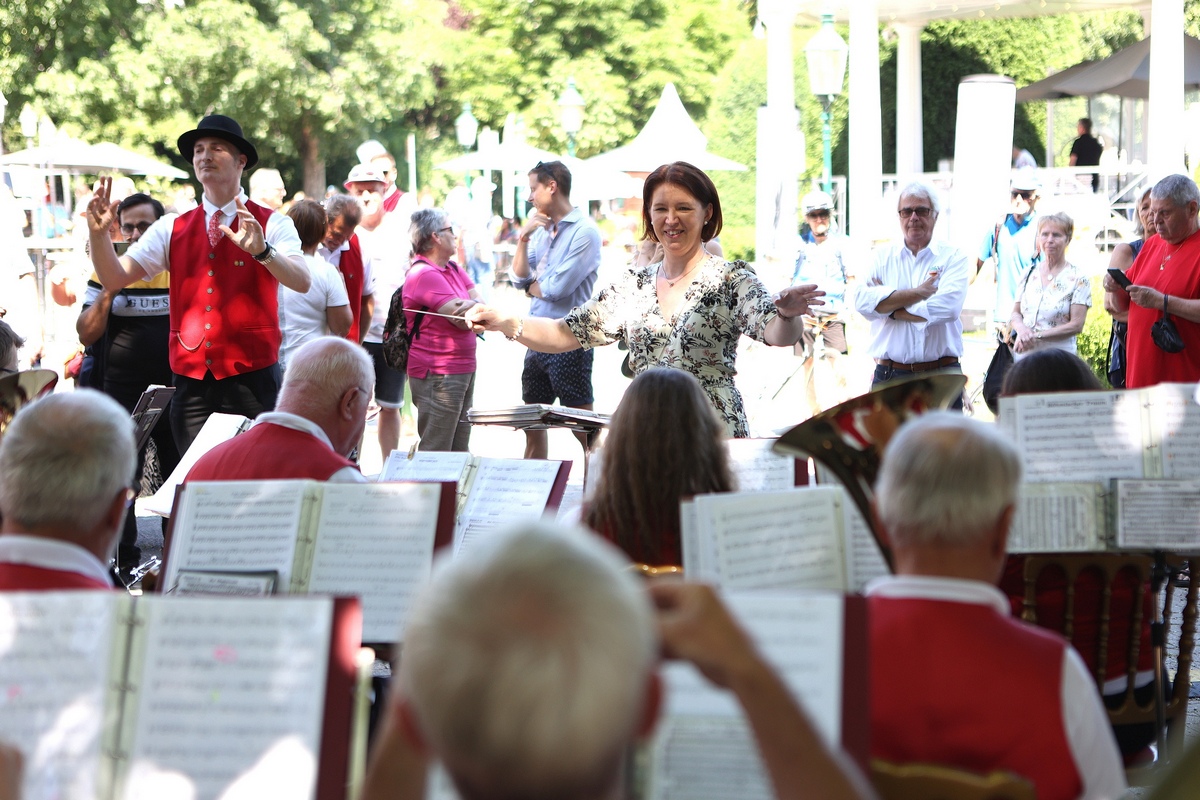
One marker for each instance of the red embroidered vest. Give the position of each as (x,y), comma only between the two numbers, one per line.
(224,304)
(269,452)
(351,267)
(961,685)
(26,577)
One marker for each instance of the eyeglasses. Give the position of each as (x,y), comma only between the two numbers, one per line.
(1026,195)
(921,212)
(820,213)
(447,229)
(141,227)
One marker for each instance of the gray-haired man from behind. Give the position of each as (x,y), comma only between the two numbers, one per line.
(531,666)
(65,466)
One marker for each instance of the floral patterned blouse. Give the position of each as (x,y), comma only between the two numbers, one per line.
(1044,307)
(725,300)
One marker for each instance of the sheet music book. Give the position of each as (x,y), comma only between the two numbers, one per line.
(114,697)
(540,415)
(1148,433)
(1060,517)
(370,540)
(794,539)
(150,407)
(704,747)
(758,468)
(506,491)
(217,428)
(1157,515)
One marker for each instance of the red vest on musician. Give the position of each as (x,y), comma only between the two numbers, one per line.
(26,577)
(959,684)
(351,267)
(269,452)
(392,200)
(224,304)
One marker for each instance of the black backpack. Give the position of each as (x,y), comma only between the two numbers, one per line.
(396,338)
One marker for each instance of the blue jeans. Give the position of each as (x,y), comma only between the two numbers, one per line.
(442,402)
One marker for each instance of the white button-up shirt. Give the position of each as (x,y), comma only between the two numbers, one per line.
(895,268)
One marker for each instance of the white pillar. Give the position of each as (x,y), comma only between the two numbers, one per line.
(1165,123)
(910,138)
(777,156)
(866,120)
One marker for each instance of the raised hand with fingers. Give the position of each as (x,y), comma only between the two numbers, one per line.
(101,209)
(249,236)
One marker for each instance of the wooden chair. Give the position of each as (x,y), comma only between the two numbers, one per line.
(1140,566)
(937,782)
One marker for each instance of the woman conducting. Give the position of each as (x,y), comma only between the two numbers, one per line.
(665,444)
(1054,297)
(441,358)
(685,311)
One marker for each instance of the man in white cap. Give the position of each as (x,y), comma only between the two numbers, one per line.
(227,258)
(1011,245)
(827,259)
(383,230)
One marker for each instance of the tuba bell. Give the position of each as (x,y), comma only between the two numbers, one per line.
(20,388)
(848,439)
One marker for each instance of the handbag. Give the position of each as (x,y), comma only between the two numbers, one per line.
(993,379)
(1165,334)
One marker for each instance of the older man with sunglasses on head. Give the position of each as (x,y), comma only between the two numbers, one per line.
(914,293)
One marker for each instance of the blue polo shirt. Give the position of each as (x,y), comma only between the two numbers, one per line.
(1014,255)
(564,260)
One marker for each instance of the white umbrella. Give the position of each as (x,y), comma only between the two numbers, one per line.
(73,155)
(669,135)
(1127,72)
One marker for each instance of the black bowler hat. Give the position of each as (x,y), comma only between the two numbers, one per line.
(221,128)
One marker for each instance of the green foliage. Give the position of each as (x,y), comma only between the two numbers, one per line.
(1092,342)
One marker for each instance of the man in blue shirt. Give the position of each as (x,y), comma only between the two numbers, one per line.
(557,257)
(1012,244)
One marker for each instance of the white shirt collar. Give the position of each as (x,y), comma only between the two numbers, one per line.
(229,209)
(295,422)
(47,553)
(926,587)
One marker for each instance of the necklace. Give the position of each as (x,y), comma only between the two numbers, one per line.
(1163,265)
(671,282)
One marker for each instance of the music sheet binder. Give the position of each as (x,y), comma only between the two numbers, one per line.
(114,697)
(150,407)
(817,641)
(1128,434)
(492,492)
(371,540)
(804,538)
(217,428)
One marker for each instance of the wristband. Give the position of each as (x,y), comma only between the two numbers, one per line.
(265,254)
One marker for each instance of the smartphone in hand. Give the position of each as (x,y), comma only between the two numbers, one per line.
(1120,278)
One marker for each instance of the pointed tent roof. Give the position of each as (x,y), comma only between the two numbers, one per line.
(669,135)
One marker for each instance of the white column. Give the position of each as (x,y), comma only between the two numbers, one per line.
(910,139)
(777,156)
(1165,117)
(866,120)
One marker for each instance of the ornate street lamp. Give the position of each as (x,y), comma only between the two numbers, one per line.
(466,128)
(826,55)
(572,105)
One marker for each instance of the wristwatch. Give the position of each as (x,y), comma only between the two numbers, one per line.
(265,255)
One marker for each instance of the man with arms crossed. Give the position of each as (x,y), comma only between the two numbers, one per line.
(65,465)
(913,295)
(982,691)
(227,258)
(557,257)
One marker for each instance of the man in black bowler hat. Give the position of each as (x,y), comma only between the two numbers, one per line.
(227,258)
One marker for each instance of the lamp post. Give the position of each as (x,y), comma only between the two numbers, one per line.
(826,55)
(466,128)
(571,103)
